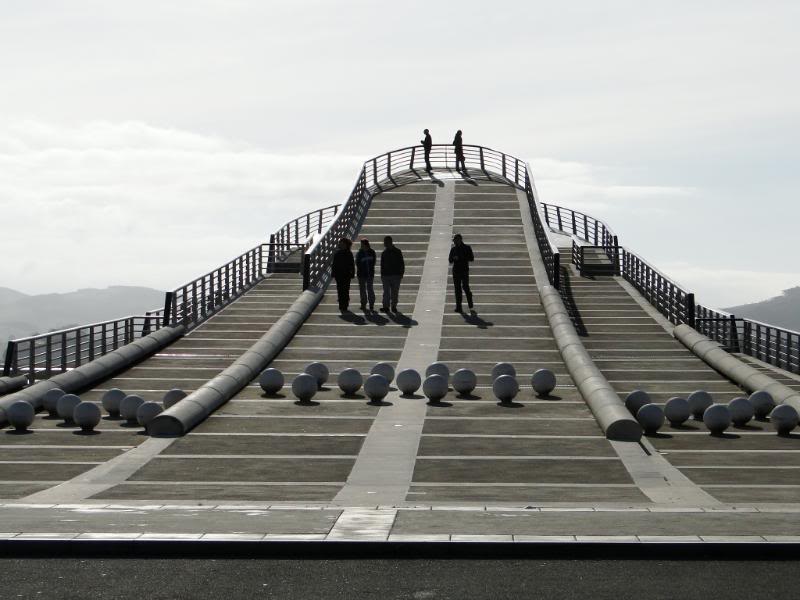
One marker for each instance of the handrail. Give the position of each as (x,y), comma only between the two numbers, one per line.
(406,165)
(769,343)
(189,304)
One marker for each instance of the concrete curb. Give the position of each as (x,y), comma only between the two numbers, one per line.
(608,410)
(87,375)
(12,384)
(750,378)
(193,410)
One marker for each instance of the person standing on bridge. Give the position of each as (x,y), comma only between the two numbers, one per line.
(459,144)
(393,267)
(365,266)
(427,144)
(343,270)
(460,257)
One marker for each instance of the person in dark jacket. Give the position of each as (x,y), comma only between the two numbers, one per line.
(344,269)
(460,257)
(459,144)
(365,269)
(427,144)
(392,269)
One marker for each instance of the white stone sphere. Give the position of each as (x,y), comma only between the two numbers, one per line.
(50,400)
(650,417)
(505,388)
(87,415)
(304,387)
(350,381)
(543,381)
(717,418)
(762,402)
(676,410)
(434,387)
(741,411)
(172,397)
(636,400)
(783,418)
(503,368)
(111,401)
(319,371)
(408,381)
(66,404)
(699,401)
(271,381)
(376,387)
(385,369)
(20,414)
(438,368)
(464,381)
(129,406)
(146,412)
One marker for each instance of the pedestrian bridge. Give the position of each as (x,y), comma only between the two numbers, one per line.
(554,289)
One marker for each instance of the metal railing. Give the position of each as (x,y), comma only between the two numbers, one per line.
(407,165)
(43,355)
(719,326)
(773,345)
(669,298)
(585,227)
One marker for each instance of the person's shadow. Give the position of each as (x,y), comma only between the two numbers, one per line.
(472,318)
(402,320)
(352,318)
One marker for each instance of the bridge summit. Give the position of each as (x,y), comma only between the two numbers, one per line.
(591,459)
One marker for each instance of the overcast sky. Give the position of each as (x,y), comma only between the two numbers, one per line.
(143,143)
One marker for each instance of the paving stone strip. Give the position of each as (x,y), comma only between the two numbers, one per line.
(383,470)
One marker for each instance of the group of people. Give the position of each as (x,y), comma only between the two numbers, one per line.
(427,145)
(345,268)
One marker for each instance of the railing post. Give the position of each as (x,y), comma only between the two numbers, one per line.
(64,351)
(78,347)
(319,225)
(482,166)
(48,356)
(734,336)
(32,361)
(168,300)
(557,271)
(413,153)
(690,311)
(271,254)
(306,271)
(504,166)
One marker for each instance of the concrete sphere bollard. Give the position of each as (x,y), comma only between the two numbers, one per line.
(435,387)
(741,411)
(304,387)
(376,387)
(385,369)
(20,414)
(438,368)
(676,410)
(505,388)
(146,412)
(111,401)
(66,404)
(763,403)
(636,400)
(319,371)
(87,415)
(699,401)
(50,400)
(172,397)
(271,381)
(650,417)
(503,368)
(543,382)
(783,418)
(129,406)
(717,418)
(350,381)
(464,381)
(408,381)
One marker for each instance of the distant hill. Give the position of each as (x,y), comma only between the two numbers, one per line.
(783,310)
(23,315)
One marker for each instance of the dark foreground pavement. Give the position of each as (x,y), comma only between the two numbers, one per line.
(157,579)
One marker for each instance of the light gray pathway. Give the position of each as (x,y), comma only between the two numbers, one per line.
(383,470)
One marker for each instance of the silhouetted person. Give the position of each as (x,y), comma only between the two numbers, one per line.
(393,267)
(460,257)
(344,269)
(427,144)
(459,144)
(365,268)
